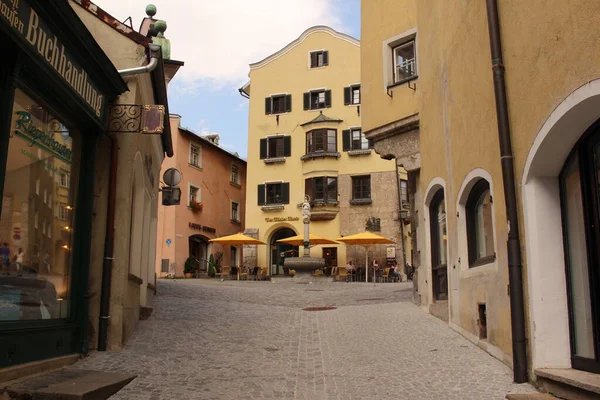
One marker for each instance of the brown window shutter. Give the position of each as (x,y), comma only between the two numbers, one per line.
(328,98)
(306,101)
(285,193)
(288,103)
(261,195)
(263,148)
(325,57)
(346,140)
(347,95)
(267,105)
(287,146)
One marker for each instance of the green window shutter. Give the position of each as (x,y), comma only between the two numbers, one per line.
(307,101)
(261,195)
(325,57)
(328,98)
(288,103)
(263,149)
(267,105)
(313,60)
(287,146)
(347,94)
(285,193)
(346,140)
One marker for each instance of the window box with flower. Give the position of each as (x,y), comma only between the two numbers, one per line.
(196,206)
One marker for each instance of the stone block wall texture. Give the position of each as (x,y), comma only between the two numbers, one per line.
(353,218)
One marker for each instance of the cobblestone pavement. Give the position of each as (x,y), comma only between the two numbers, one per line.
(252,340)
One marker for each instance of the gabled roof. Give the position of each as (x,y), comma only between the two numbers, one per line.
(208,142)
(303,36)
(321,118)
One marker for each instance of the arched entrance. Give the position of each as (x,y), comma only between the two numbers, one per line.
(279,251)
(198,246)
(439,246)
(561,212)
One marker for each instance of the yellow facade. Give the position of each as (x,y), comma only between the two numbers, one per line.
(551,82)
(288,72)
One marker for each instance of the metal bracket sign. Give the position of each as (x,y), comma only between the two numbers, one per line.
(134,118)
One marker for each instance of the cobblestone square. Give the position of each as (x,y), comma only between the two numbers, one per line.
(252,340)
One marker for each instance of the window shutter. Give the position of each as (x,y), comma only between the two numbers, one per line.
(347,94)
(288,103)
(346,140)
(268,105)
(309,188)
(287,146)
(285,193)
(261,195)
(325,57)
(263,148)
(313,60)
(307,101)
(328,98)
(371,144)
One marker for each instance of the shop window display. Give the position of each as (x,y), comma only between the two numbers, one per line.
(36,237)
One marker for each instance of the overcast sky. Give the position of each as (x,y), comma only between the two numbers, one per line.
(217,40)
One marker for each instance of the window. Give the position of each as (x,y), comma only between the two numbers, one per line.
(64,180)
(235,174)
(361,187)
(354,139)
(322,189)
(235,214)
(404,192)
(195,155)
(404,61)
(352,95)
(317,99)
(319,58)
(321,140)
(275,147)
(194,195)
(480,232)
(63,212)
(274,193)
(278,104)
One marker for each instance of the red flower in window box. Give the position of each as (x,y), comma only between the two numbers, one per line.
(196,206)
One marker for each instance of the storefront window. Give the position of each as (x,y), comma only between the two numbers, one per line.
(36,222)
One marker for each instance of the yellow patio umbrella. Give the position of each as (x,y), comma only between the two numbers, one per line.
(239,239)
(365,239)
(299,240)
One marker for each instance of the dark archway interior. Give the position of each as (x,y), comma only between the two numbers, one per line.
(280,251)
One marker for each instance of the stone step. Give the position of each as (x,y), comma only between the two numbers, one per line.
(530,396)
(69,384)
(569,384)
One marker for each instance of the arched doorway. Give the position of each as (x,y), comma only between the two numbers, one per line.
(279,251)
(198,246)
(439,246)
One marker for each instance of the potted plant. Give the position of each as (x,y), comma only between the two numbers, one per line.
(212,269)
(196,205)
(189,267)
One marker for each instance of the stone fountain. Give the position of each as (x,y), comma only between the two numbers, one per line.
(305,265)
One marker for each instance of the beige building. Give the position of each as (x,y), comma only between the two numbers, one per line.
(305,137)
(138,165)
(431,101)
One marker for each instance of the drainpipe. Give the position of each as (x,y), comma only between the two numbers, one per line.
(400,208)
(510,198)
(107,263)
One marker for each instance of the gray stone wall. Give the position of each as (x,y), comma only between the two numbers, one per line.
(382,212)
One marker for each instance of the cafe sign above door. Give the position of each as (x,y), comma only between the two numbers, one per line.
(34,33)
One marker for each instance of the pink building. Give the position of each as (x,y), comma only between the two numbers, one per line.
(213,198)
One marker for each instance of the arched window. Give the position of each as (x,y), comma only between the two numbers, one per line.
(480,230)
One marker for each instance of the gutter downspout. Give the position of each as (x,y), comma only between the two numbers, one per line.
(400,208)
(107,263)
(510,198)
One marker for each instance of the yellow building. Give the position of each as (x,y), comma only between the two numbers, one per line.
(305,137)
(433,99)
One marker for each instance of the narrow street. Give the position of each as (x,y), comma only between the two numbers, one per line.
(253,340)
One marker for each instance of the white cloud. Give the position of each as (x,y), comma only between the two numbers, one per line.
(218,39)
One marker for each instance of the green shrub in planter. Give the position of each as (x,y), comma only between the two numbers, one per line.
(190,266)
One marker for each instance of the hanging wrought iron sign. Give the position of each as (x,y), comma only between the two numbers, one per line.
(134,118)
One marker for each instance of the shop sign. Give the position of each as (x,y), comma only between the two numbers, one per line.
(34,32)
(26,130)
(282,219)
(202,228)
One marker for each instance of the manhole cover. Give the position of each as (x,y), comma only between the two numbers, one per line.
(271,349)
(315,290)
(319,308)
(379,298)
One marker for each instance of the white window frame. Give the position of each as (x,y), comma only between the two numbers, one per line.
(198,194)
(67,177)
(353,129)
(388,56)
(238,210)
(352,86)
(198,164)
(63,212)
(236,181)
(284,94)
(274,137)
(310,92)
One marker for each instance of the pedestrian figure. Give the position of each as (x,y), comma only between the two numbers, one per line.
(19,257)
(46,261)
